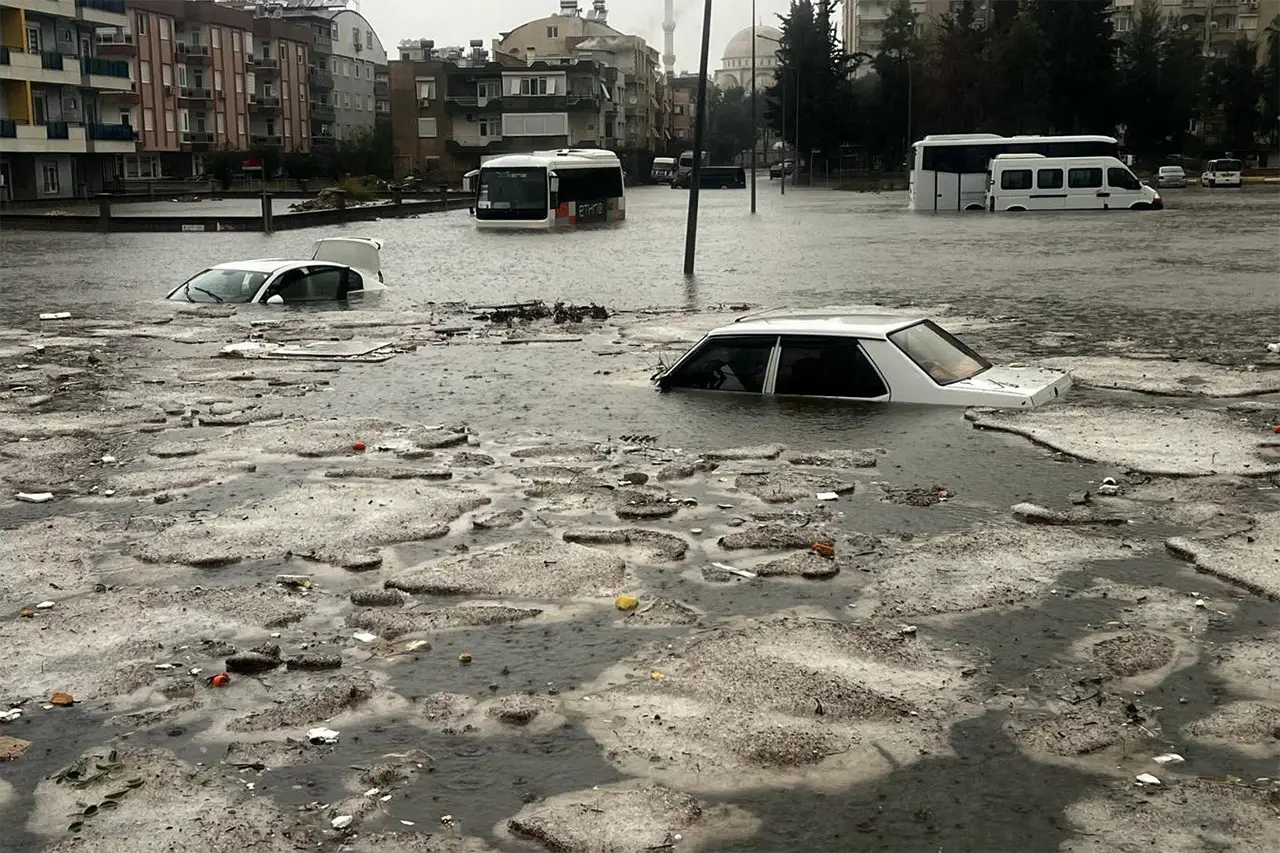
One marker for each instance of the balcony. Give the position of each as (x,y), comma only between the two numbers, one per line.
(381,89)
(550,103)
(116,44)
(120,96)
(196,140)
(49,67)
(53,138)
(323,111)
(264,103)
(471,104)
(490,145)
(269,140)
(321,44)
(111,138)
(194,93)
(192,54)
(102,73)
(266,65)
(102,12)
(321,78)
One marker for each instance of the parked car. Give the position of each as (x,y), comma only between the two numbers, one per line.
(856,357)
(1222,173)
(784,167)
(339,268)
(1171,176)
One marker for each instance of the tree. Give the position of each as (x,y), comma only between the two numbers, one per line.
(1269,128)
(1081,69)
(1235,90)
(959,84)
(1140,86)
(890,134)
(1020,59)
(813,79)
(729,127)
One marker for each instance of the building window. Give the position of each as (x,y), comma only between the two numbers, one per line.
(533,85)
(368,71)
(140,23)
(215,37)
(368,102)
(426,128)
(298,54)
(164,29)
(126,117)
(235,40)
(488,89)
(166,75)
(182,76)
(333,32)
(346,68)
(553,32)
(169,123)
(302,91)
(346,101)
(490,127)
(148,120)
(240,124)
(368,39)
(50,171)
(334,67)
(217,80)
(184,120)
(427,90)
(359,103)
(355,35)
(239,84)
(288,130)
(144,71)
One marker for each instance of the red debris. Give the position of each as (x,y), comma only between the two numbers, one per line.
(358,447)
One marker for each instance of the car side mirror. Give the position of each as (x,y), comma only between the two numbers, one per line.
(277,299)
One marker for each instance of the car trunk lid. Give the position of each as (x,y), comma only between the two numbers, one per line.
(1035,385)
(362,253)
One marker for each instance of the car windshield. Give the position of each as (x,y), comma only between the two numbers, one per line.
(938,353)
(1171,170)
(513,189)
(1226,166)
(220,285)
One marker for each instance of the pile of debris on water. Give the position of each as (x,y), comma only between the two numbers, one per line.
(528,312)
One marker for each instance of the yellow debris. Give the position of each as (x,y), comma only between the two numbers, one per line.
(627,602)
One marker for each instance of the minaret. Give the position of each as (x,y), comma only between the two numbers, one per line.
(669,39)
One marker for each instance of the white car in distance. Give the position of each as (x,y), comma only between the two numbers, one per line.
(874,358)
(339,268)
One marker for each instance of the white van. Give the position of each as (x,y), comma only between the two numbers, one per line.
(1018,182)
(663,169)
(1221,173)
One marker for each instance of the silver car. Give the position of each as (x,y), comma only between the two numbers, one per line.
(1171,176)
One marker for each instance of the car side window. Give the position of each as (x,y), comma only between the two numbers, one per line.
(354,281)
(310,284)
(827,367)
(737,363)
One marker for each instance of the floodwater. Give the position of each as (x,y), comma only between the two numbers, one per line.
(1200,279)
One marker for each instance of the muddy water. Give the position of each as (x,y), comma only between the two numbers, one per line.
(1198,279)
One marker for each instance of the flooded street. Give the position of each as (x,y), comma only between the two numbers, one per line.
(981,644)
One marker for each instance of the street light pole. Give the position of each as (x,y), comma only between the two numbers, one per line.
(699,135)
(782,178)
(795,168)
(755,128)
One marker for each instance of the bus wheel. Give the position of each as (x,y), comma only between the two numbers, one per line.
(975,207)
(1016,209)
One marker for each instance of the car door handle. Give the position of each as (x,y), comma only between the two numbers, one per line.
(1104,195)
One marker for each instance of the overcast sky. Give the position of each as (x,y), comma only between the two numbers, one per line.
(456,22)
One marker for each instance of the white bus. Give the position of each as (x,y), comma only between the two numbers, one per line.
(949,172)
(1021,182)
(549,189)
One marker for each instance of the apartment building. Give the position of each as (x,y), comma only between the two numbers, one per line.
(571,35)
(684,108)
(279,89)
(448,114)
(1218,24)
(66,111)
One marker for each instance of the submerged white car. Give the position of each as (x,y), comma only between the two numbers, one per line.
(867,357)
(339,268)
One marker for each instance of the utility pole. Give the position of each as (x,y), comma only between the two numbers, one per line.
(755,127)
(795,169)
(782,178)
(699,135)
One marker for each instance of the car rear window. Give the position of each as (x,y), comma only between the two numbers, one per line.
(938,353)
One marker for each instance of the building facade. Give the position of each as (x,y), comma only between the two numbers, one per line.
(684,109)
(736,70)
(68,110)
(448,115)
(635,122)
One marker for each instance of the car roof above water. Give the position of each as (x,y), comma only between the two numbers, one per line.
(267,265)
(848,325)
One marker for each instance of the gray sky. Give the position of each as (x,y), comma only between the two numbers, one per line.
(456,22)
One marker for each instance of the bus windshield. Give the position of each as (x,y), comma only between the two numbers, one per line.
(512,193)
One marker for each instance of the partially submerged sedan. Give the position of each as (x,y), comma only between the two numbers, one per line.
(339,268)
(856,357)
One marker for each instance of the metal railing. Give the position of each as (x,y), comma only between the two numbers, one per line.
(4,55)
(118,37)
(8,128)
(57,130)
(194,93)
(51,60)
(197,137)
(116,6)
(105,67)
(193,49)
(111,132)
